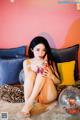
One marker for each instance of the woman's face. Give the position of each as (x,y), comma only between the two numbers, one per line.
(39,51)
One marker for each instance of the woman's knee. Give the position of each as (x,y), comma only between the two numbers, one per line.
(47,94)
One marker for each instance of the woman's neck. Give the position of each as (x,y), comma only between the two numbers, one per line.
(36,58)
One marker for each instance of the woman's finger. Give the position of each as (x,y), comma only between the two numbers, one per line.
(45,74)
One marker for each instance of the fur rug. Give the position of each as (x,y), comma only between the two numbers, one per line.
(52,113)
(12,101)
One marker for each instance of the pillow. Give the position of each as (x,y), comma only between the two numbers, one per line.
(66,71)
(66,55)
(13,52)
(9,70)
(21,77)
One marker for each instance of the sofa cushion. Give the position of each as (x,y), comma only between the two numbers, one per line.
(21,77)
(9,70)
(13,52)
(66,55)
(66,71)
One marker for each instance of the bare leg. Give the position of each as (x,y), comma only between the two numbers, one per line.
(28,84)
(39,82)
(43,87)
(48,92)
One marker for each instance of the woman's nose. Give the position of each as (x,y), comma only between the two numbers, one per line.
(40,53)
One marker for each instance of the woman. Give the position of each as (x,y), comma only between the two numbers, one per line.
(40,75)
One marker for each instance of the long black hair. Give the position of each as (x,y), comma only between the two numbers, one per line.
(40,40)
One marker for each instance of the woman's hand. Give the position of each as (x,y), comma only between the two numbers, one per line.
(46,72)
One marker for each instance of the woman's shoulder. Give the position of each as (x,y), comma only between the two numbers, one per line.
(27,61)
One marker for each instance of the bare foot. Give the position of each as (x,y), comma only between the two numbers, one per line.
(23,116)
(27,107)
(52,105)
(28,119)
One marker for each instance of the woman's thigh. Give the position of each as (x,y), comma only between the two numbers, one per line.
(48,93)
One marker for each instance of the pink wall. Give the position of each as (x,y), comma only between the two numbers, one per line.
(24,19)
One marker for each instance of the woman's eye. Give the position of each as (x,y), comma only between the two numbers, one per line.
(37,49)
(44,50)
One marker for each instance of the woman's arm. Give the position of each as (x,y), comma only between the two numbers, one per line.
(26,65)
(55,79)
(54,75)
(28,72)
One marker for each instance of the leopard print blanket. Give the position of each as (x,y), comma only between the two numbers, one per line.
(15,94)
(11,93)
